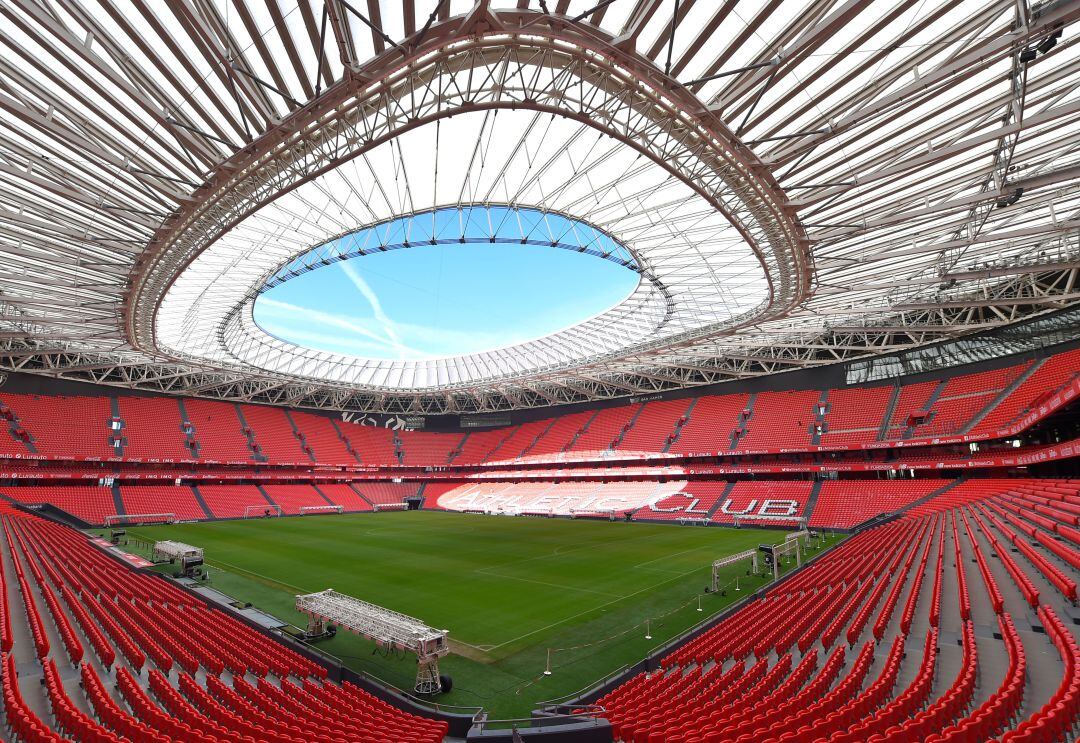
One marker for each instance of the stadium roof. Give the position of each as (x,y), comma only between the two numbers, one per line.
(795,182)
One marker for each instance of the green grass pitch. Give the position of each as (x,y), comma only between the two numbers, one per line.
(506,588)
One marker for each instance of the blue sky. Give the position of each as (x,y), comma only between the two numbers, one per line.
(441,300)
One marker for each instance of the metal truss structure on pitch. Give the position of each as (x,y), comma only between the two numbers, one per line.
(810,181)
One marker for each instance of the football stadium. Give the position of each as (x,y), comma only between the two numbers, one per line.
(565,371)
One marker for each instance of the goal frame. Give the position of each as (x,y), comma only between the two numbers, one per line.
(262,507)
(139,518)
(336,508)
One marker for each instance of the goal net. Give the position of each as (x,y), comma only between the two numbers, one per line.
(140,518)
(321,509)
(262,510)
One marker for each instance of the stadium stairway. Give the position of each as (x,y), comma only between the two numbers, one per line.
(1000,396)
(919,629)
(890,411)
(811,501)
(118,501)
(739,432)
(819,426)
(679,426)
(201,501)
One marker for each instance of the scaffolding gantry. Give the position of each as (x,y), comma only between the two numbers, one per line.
(387,628)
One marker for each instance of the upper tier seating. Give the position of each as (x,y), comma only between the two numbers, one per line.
(854,414)
(425,448)
(480,446)
(321,435)
(711,424)
(217,428)
(65,426)
(964,397)
(153,428)
(605,428)
(372,444)
(912,399)
(655,426)
(557,435)
(140,682)
(274,434)
(1044,382)
(780,420)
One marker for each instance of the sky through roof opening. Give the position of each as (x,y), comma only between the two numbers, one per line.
(470,280)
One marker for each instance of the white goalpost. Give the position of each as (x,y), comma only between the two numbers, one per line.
(304,510)
(139,518)
(262,510)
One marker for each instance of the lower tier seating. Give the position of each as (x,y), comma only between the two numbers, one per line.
(154,664)
(920,629)
(847,503)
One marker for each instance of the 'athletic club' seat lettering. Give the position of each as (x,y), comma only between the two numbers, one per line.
(579,498)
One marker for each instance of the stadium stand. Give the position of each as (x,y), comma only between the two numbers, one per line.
(65,426)
(292,498)
(373,445)
(982,404)
(859,661)
(480,446)
(754,497)
(274,433)
(780,420)
(1048,378)
(217,428)
(153,429)
(224,681)
(91,504)
(711,424)
(150,499)
(383,494)
(341,494)
(606,428)
(854,415)
(558,434)
(231,501)
(655,427)
(320,433)
(425,449)
(846,503)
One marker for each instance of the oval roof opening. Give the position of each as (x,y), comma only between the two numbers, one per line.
(472,280)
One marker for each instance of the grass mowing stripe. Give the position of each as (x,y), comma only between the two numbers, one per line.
(506,588)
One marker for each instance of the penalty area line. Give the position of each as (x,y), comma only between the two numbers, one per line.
(561,587)
(597,608)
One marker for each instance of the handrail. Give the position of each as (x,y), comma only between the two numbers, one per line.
(555,701)
(588,713)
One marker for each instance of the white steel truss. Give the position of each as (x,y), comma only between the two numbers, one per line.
(881,175)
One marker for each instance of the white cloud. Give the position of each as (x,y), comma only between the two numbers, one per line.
(376,306)
(293,313)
